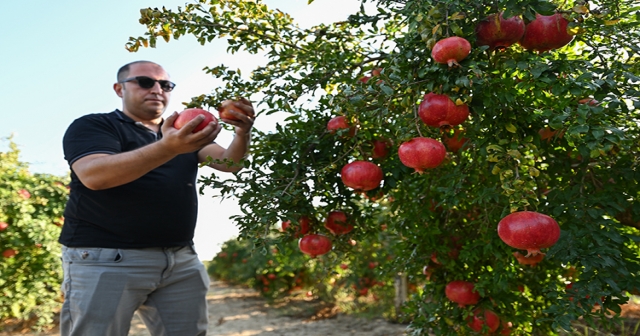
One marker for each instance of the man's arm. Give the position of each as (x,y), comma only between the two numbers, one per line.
(239,147)
(103,171)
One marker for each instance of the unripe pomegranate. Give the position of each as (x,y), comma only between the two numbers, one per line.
(339,123)
(456,142)
(338,223)
(481,317)
(546,33)
(438,110)
(451,50)
(422,153)
(528,230)
(497,32)
(532,260)
(361,175)
(462,292)
(314,245)
(301,229)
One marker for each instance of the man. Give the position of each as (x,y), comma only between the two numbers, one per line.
(131,214)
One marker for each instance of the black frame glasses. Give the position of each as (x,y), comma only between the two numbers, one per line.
(148,82)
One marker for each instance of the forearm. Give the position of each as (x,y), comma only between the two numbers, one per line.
(236,152)
(99,172)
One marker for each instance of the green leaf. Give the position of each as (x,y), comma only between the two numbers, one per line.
(509,127)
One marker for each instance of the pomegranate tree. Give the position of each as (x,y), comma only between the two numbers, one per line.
(482,317)
(528,230)
(338,223)
(462,292)
(546,33)
(314,245)
(422,153)
(361,175)
(438,110)
(451,50)
(497,32)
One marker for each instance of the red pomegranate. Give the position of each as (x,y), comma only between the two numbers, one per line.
(546,133)
(462,292)
(9,253)
(301,229)
(381,148)
(438,110)
(422,153)
(361,175)
(528,230)
(532,260)
(338,223)
(590,101)
(497,32)
(483,317)
(451,50)
(314,245)
(456,142)
(3,226)
(340,123)
(546,33)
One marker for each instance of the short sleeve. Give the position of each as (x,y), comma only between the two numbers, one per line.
(90,134)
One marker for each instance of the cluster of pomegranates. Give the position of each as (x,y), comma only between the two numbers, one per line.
(337,222)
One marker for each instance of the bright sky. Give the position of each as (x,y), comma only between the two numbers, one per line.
(58,61)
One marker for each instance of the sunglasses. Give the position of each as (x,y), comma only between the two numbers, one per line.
(148,82)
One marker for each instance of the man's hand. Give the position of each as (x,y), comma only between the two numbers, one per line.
(180,141)
(242,110)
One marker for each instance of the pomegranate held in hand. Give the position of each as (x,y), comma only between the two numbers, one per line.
(438,110)
(451,50)
(497,32)
(224,112)
(462,292)
(546,33)
(528,230)
(338,223)
(481,317)
(187,115)
(361,175)
(314,245)
(422,153)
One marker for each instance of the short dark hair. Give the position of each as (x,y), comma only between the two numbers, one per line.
(123,72)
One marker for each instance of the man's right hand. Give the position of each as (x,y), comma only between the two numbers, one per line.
(180,141)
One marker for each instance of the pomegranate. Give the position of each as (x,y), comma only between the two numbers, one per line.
(532,260)
(456,142)
(3,226)
(340,123)
(301,229)
(338,223)
(462,293)
(451,50)
(546,33)
(528,230)
(361,175)
(24,193)
(438,110)
(497,32)
(547,133)
(482,317)
(422,153)
(190,113)
(381,148)
(9,253)
(590,101)
(314,245)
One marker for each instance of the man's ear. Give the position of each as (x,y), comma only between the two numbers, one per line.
(117,87)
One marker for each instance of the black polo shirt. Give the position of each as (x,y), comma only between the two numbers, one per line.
(157,210)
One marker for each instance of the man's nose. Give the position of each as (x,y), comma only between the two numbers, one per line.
(156,88)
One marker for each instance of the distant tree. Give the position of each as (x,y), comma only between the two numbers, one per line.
(554,132)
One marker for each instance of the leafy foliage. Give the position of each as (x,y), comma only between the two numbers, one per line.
(585,175)
(31,207)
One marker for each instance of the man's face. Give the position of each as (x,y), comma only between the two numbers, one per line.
(145,104)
